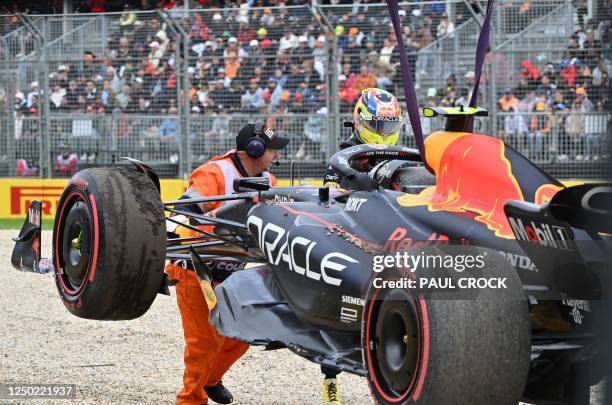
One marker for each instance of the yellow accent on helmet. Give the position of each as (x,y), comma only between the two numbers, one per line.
(377,117)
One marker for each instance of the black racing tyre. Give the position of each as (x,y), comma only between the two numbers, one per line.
(109,244)
(419,350)
(413,179)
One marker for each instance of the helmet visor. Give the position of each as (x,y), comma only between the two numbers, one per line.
(384,126)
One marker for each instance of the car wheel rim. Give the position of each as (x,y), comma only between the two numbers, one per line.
(75,237)
(397,342)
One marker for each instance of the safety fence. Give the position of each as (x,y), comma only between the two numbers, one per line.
(173,88)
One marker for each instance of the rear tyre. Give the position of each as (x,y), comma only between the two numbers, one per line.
(432,351)
(109,244)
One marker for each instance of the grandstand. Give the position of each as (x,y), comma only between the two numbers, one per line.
(172,84)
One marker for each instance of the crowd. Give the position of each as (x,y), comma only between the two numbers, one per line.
(278,61)
(560,110)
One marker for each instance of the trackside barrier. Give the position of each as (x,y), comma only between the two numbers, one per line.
(17,193)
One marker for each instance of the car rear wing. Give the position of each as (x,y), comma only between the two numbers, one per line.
(569,238)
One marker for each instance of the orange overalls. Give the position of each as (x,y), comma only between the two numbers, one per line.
(208,355)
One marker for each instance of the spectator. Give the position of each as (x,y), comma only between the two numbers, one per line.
(314,128)
(569,74)
(245,32)
(123,99)
(19,101)
(232,103)
(288,41)
(170,126)
(34,92)
(551,72)
(450,99)
(273,92)
(540,128)
(574,128)
(346,93)
(387,53)
(71,99)
(310,77)
(445,27)
(248,64)
(252,100)
(592,49)
(422,39)
(595,128)
(365,79)
(233,48)
(546,89)
(464,97)
(155,55)
(219,93)
(521,89)
(105,94)
(514,129)
(91,95)
(232,66)
(280,77)
(348,72)
(66,162)
(294,78)
(26,168)
(383,70)
(600,79)
(319,53)
(56,97)
(508,101)
(558,102)
(581,96)
(529,72)
(302,50)
(219,135)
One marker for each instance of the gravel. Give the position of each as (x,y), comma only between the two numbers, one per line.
(125,362)
(137,361)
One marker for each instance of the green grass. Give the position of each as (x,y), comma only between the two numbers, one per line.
(17,223)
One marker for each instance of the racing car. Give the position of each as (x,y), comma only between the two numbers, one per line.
(313,261)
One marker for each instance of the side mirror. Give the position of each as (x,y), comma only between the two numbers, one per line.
(358,182)
(251,184)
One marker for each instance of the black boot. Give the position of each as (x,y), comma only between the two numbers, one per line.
(219,394)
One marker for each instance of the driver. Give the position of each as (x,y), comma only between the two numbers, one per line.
(377,119)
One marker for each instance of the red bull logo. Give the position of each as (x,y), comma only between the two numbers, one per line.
(545,192)
(473,176)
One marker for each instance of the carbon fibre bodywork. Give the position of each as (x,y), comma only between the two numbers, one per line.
(319,252)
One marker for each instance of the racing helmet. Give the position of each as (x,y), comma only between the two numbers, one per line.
(377,117)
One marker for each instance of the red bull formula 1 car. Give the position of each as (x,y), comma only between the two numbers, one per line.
(327,280)
(481,289)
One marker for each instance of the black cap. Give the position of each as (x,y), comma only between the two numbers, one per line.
(271,140)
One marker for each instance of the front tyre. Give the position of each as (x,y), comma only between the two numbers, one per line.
(109,244)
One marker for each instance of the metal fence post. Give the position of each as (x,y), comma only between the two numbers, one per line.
(182,45)
(9,86)
(333,110)
(43,98)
